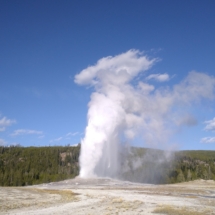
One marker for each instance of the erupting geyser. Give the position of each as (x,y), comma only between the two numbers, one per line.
(120,109)
(110,110)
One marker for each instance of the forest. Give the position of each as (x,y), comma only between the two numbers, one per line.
(22,166)
(163,167)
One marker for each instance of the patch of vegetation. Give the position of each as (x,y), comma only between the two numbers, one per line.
(170,210)
(66,195)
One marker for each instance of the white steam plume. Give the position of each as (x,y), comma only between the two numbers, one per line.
(120,110)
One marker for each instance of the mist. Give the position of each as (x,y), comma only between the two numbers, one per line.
(125,106)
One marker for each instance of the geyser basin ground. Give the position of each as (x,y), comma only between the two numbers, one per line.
(107,196)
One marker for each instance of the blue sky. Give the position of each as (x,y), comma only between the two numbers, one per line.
(44,44)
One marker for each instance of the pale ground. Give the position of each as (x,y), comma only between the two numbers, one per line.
(106,196)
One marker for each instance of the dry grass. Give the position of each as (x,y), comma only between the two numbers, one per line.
(207,202)
(170,210)
(66,195)
(119,205)
(9,206)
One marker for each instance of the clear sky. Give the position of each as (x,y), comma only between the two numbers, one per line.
(45,43)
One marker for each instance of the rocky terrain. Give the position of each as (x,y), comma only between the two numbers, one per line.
(107,196)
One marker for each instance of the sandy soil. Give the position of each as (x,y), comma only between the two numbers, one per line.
(106,196)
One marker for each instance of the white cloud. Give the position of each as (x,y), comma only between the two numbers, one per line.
(146,88)
(26,131)
(42,136)
(187,120)
(158,77)
(56,140)
(2,142)
(4,122)
(208,140)
(72,134)
(210,125)
(195,87)
(67,136)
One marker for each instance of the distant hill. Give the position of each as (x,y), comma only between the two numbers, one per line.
(20,166)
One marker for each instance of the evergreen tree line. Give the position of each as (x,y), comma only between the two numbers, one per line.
(192,165)
(160,167)
(21,166)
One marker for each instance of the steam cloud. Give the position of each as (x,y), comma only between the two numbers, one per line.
(121,110)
